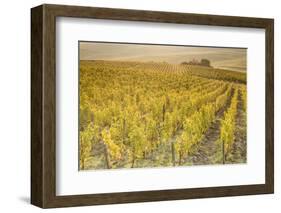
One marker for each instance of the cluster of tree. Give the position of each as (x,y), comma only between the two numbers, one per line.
(203,62)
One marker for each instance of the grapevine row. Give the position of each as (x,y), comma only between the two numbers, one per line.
(197,124)
(228,125)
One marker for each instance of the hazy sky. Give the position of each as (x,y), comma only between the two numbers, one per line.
(228,58)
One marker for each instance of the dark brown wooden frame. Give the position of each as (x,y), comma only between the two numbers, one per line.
(43,105)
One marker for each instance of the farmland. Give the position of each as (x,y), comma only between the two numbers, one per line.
(156,114)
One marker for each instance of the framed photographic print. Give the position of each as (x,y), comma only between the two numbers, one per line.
(137,106)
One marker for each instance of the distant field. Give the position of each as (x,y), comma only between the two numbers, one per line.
(220,57)
(154,114)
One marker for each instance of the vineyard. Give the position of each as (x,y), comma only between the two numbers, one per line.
(148,114)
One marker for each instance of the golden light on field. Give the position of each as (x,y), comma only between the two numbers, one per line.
(159,106)
(227,58)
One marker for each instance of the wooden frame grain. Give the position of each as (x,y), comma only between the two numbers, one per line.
(43,105)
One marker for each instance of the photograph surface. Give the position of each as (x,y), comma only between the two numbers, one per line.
(148,105)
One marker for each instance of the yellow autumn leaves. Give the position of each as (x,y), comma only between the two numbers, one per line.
(145,114)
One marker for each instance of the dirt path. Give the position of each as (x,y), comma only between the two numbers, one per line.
(239,150)
(209,151)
